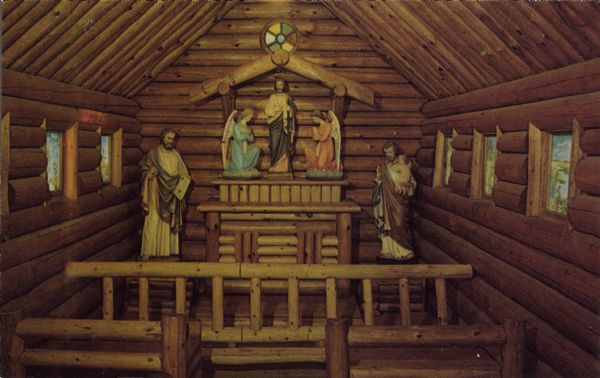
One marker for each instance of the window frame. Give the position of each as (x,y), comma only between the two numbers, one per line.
(115,155)
(478,165)
(538,172)
(440,164)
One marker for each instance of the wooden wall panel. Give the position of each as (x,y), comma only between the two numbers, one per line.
(326,41)
(42,232)
(531,248)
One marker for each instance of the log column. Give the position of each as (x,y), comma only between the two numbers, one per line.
(513,352)
(336,348)
(12,346)
(173,345)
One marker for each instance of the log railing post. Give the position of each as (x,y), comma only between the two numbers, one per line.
(368,301)
(442,301)
(336,348)
(180,295)
(107,298)
(12,346)
(174,335)
(300,248)
(293,303)
(255,305)
(344,235)
(404,301)
(239,255)
(212,236)
(331,298)
(318,247)
(143,299)
(513,352)
(217,303)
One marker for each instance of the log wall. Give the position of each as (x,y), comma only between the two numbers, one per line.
(324,40)
(541,269)
(43,232)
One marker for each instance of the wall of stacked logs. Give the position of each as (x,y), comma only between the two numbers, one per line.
(543,270)
(43,232)
(324,40)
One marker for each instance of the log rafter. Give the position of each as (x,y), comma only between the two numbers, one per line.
(291,62)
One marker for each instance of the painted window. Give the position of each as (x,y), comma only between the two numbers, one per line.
(54,156)
(489,164)
(105,153)
(558,173)
(447,159)
(279,35)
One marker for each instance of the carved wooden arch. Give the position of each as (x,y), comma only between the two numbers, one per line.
(340,85)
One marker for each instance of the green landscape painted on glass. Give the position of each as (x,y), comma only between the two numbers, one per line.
(447,160)
(54,157)
(558,175)
(105,154)
(490,162)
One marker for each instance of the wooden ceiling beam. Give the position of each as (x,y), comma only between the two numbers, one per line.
(32,52)
(125,43)
(74,40)
(551,31)
(413,51)
(527,30)
(27,20)
(506,34)
(13,11)
(506,63)
(566,81)
(515,66)
(398,62)
(37,32)
(480,70)
(72,67)
(276,10)
(585,47)
(53,49)
(160,45)
(290,62)
(436,46)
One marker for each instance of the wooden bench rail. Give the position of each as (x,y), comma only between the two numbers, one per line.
(340,337)
(150,362)
(246,356)
(265,271)
(440,336)
(89,329)
(170,332)
(245,334)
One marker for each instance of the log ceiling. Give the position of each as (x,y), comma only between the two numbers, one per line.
(443,48)
(451,47)
(113,47)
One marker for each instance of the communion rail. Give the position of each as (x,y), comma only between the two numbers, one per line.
(337,336)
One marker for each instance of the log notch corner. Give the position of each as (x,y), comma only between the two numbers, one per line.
(282,59)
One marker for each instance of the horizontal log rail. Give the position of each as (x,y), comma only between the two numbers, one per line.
(249,207)
(332,275)
(265,271)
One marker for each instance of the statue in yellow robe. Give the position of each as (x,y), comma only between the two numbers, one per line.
(165,180)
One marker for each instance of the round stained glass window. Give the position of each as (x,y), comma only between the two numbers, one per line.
(279,35)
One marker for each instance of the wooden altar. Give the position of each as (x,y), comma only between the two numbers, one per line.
(294,221)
